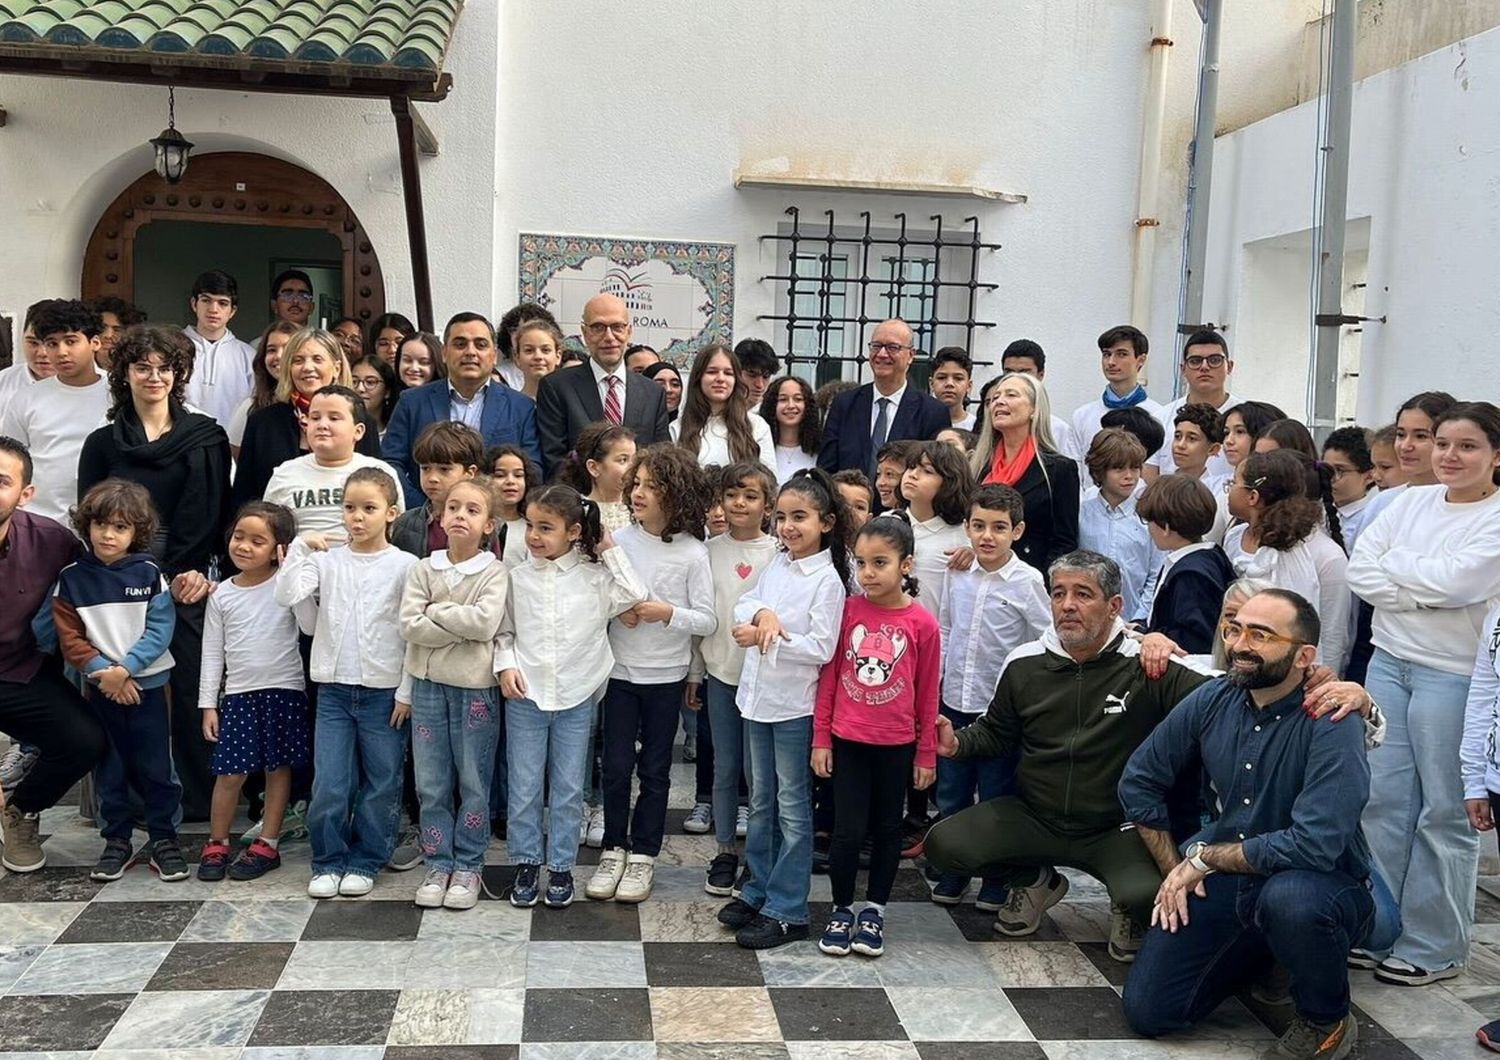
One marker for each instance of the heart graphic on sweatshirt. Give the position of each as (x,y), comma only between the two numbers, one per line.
(743,570)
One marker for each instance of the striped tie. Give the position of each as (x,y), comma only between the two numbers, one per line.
(612,411)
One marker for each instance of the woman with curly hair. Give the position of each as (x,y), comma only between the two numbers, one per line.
(715,423)
(181,458)
(790,408)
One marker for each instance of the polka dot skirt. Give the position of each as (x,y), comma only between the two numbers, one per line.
(261,730)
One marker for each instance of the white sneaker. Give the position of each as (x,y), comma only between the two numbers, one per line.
(463,891)
(700,819)
(324,885)
(434,886)
(356,885)
(742,821)
(595,836)
(635,885)
(605,881)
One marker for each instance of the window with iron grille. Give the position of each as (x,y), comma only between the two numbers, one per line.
(836,283)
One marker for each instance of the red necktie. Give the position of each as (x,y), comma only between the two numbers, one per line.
(612,411)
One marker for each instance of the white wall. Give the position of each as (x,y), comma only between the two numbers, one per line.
(1425,172)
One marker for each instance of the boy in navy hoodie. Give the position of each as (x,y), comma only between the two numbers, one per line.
(114,620)
(1179,512)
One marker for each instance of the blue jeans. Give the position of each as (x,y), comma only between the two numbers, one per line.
(730,760)
(958,779)
(356,793)
(1415,822)
(648,714)
(139,756)
(778,846)
(547,749)
(1306,921)
(454,732)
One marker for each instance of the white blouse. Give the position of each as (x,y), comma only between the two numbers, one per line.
(713,442)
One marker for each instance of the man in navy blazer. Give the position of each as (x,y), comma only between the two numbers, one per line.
(569,400)
(854,420)
(469,395)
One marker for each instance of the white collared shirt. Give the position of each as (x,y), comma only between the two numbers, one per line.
(223,374)
(1118,533)
(453,573)
(987,615)
(808,600)
(600,384)
(890,419)
(468,411)
(934,537)
(1086,424)
(556,622)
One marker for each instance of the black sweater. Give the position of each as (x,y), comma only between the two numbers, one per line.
(1190,598)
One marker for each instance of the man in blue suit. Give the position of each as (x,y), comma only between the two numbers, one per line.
(862,420)
(469,395)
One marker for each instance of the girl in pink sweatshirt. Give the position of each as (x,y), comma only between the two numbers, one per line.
(874,726)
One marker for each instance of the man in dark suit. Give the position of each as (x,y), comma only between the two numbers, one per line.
(467,396)
(600,389)
(862,420)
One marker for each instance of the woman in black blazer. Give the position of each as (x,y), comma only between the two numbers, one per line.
(1016,449)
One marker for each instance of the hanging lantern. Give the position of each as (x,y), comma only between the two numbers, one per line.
(172,148)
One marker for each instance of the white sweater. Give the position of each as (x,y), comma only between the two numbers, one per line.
(1479,754)
(315,493)
(1315,569)
(655,653)
(736,567)
(713,442)
(249,643)
(52,419)
(1431,570)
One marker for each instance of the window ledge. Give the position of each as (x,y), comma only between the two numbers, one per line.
(744,179)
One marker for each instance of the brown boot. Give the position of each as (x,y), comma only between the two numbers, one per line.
(23,851)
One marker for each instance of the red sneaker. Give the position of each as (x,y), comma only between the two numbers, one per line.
(255,861)
(214,862)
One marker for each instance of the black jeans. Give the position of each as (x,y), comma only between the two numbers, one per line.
(648,714)
(869,791)
(48,713)
(140,759)
(192,754)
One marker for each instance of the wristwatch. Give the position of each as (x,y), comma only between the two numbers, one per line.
(1195,858)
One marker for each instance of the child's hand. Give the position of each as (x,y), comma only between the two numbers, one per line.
(128,696)
(190,586)
(960,558)
(315,541)
(744,634)
(768,629)
(628,618)
(922,779)
(653,611)
(691,698)
(399,715)
(211,725)
(606,540)
(512,684)
(822,762)
(280,555)
(947,739)
(112,680)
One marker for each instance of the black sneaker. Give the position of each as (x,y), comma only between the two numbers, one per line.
(721,873)
(559,890)
(255,861)
(737,914)
(167,861)
(213,863)
(763,933)
(526,889)
(739,884)
(118,856)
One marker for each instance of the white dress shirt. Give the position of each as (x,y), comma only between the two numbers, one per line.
(808,600)
(557,620)
(986,615)
(677,573)
(933,538)
(895,403)
(600,375)
(1117,532)
(223,374)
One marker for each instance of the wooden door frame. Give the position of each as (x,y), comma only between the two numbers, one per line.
(233,187)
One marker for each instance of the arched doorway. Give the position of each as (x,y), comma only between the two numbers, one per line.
(249,213)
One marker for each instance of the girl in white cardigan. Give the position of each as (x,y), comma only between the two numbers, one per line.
(450,615)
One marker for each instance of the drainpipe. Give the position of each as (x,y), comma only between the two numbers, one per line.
(1146,222)
(1200,172)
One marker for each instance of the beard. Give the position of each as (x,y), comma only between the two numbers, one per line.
(1263,674)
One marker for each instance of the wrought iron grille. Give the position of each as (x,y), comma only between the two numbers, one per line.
(838,283)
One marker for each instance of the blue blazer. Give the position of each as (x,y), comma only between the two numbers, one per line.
(846,431)
(507,417)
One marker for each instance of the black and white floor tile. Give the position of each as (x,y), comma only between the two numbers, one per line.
(144,970)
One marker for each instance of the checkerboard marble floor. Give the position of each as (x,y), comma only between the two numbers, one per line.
(142,969)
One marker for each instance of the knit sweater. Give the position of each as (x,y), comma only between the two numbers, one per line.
(450,615)
(736,567)
(117,613)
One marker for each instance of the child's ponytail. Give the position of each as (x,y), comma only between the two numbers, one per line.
(572,507)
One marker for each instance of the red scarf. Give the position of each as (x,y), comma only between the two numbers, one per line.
(301,403)
(1008,472)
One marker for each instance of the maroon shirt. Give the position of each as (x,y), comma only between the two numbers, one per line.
(34,551)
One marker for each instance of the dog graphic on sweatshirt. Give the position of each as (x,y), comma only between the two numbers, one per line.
(875,653)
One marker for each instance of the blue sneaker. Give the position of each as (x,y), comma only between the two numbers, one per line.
(526,888)
(869,936)
(950,889)
(559,889)
(991,897)
(838,933)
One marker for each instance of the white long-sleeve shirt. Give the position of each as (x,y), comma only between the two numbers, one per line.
(52,419)
(1118,533)
(736,567)
(713,442)
(249,643)
(556,624)
(1431,570)
(986,615)
(676,573)
(1316,569)
(808,599)
(357,630)
(1479,754)
(933,538)
(223,375)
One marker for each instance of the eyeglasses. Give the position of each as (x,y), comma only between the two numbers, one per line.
(1212,360)
(305,297)
(151,371)
(1231,632)
(1337,471)
(599,327)
(367,382)
(892,348)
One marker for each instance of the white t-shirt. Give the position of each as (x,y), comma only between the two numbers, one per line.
(12,380)
(1086,424)
(1217,465)
(791,459)
(52,419)
(223,375)
(249,642)
(315,494)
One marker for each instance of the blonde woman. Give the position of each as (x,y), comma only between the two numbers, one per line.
(1016,449)
(313,359)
